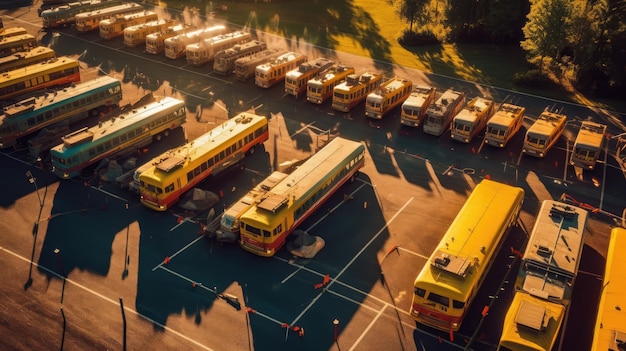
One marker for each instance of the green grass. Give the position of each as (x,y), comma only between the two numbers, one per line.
(370,28)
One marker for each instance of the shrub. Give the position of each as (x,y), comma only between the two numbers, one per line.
(410,38)
(533,79)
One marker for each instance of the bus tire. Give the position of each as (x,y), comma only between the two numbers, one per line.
(251,150)
(166,133)
(94,112)
(157,137)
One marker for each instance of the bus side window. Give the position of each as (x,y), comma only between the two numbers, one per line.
(420,292)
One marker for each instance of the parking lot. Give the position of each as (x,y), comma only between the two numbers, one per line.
(86,246)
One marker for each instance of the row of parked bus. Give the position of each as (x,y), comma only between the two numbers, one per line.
(263,218)
(322,79)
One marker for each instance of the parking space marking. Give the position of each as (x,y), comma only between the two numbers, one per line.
(167,258)
(367,329)
(345,268)
(97,294)
(197,284)
(334,208)
(413,253)
(183,220)
(318,221)
(345,285)
(357,302)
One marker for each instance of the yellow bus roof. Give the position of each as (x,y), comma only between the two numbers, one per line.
(547,123)
(23,72)
(464,252)
(202,148)
(591,135)
(610,322)
(473,110)
(506,115)
(298,185)
(531,324)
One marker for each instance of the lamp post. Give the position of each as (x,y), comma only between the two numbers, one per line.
(33,181)
(57,253)
(336,328)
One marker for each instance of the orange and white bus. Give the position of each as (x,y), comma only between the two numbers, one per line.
(90,20)
(65,14)
(124,133)
(610,329)
(354,90)
(229,222)
(439,114)
(26,58)
(588,145)
(546,278)
(320,87)
(180,169)
(295,80)
(274,71)
(136,35)
(204,51)
(245,67)
(455,271)
(155,42)
(544,133)
(503,125)
(224,62)
(114,27)
(17,43)
(175,46)
(67,105)
(472,119)
(392,93)
(56,71)
(415,106)
(266,225)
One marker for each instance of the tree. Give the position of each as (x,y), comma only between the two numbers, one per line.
(505,19)
(411,11)
(546,31)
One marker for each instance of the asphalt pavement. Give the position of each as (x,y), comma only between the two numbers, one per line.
(75,251)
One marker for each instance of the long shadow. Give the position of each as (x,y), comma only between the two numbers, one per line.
(161,294)
(72,240)
(318,23)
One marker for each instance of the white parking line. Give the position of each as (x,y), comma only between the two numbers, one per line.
(351,261)
(97,294)
(413,253)
(184,220)
(166,259)
(334,208)
(369,326)
(318,221)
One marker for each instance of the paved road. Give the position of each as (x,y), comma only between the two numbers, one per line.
(409,192)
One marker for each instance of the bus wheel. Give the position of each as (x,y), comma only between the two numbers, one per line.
(166,133)
(94,113)
(251,150)
(157,137)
